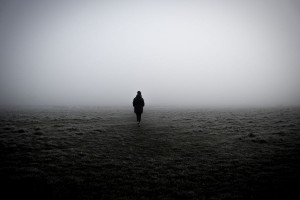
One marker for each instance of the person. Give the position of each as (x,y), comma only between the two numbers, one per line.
(138,104)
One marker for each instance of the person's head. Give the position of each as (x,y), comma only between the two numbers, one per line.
(139,93)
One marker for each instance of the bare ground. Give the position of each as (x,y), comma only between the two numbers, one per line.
(175,154)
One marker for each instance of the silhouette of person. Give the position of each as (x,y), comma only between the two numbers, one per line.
(138,104)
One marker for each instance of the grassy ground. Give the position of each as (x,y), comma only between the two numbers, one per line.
(175,154)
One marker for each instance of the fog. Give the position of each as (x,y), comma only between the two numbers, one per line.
(177,53)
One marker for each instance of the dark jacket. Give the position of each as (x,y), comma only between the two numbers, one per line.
(138,104)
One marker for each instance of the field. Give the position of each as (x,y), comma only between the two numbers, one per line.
(101,153)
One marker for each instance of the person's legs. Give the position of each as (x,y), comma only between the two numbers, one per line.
(139,117)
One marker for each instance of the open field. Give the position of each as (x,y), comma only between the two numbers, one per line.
(175,154)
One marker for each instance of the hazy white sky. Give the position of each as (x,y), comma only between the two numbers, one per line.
(210,52)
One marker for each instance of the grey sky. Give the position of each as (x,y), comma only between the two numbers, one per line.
(213,52)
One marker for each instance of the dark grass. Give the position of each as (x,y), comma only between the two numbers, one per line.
(175,154)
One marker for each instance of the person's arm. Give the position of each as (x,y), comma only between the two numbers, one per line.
(143,103)
(133,102)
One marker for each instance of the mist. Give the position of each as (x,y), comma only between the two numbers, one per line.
(177,53)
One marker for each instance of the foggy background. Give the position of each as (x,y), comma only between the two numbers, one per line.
(195,53)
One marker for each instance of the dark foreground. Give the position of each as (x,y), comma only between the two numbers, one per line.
(175,154)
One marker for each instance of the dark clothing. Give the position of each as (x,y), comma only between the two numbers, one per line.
(138,104)
(138,117)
